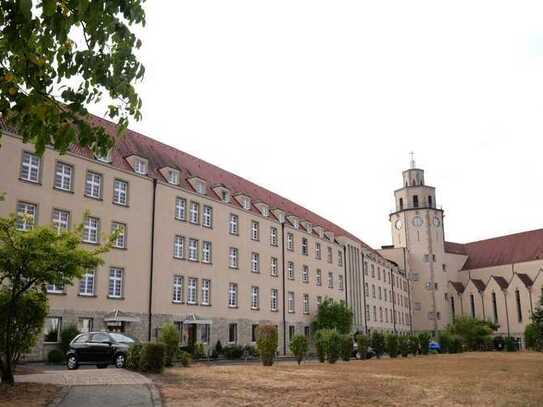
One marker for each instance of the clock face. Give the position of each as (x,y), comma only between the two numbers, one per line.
(437,222)
(417,221)
(398,224)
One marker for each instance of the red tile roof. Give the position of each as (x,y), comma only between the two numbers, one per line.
(516,248)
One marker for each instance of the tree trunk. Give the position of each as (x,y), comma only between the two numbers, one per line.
(7,374)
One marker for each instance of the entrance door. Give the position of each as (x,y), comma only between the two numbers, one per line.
(191,335)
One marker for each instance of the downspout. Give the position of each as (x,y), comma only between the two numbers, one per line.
(284,287)
(483,303)
(364,293)
(393,301)
(150,310)
(408,291)
(345,274)
(507,313)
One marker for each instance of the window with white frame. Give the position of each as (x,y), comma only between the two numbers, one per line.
(330,280)
(255,300)
(273,236)
(91,227)
(305,250)
(206,251)
(233,333)
(233,257)
(255,262)
(200,187)
(340,281)
(206,288)
(232,295)
(306,304)
(274,267)
(192,291)
(115,289)
(318,254)
(208,216)
(290,241)
(225,196)
(330,260)
(233,224)
(319,277)
(52,329)
(265,211)
(193,249)
(290,270)
(194,212)
(290,302)
(173,177)
(305,274)
(273,299)
(255,230)
(55,288)
(61,220)
(339,258)
(178,283)
(140,166)
(30,167)
(85,325)
(63,176)
(93,185)
(86,284)
(26,215)
(180,208)
(246,203)
(120,230)
(120,192)
(319,300)
(179,247)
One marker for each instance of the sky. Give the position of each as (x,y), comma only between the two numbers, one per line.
(322,101)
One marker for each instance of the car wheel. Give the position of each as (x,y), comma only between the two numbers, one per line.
(72,362)
(120,361)
(101,366)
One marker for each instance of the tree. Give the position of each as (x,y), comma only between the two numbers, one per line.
(392,345)
(333,315)
(474,332)
(266,343)
(299,347)
(28,262)
(57,58)
(424,341)
(169,336)
(362,342)
(537,326)
(378,343)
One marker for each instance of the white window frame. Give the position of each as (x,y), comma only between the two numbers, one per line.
(319,278)
(173,177)
(93,185)
(206,288)
(290,241)
(87,283)
(306,304)
(26,215)
(305,274)
(305,246)
(180,208)
(330,279)
(192,290)
(274,262)
(273,299)
(290,271)
(178,287)
(193,250)
(63,176)
(273,236)
(233,225)
(120,242)
(116,283)
(206,252)
(91,230)
(55,288)
(61,220)
(318,254)
(179,247)
(255,230)
(194,213)
(207,216)
(232,295)
(30,164)
(255,262)
(255,300)
(233,255)
(140,166)
(120,192)
(291,302)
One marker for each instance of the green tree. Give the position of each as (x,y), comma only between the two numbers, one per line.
(299,346)
(57,58)
(362,343)
(169,336)
(266,343)
(392,345)
(424,341)
(537,323)
(403,346)
(333,315)
(346,347)
(28,262)
(378,343)
(66,336)
(474,332)
(413,344)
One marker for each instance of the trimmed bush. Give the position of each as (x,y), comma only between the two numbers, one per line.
(456,344)
(444,340)
(330,344)
(391,345)
(198,352)
(249,351)
(185,358)
(66,336)
(510,344)
(299,347)
(424,341)
(133,356)
(413,345)
(530,336)
(499,343)
(320,347)
(362,342)
(169,336)
(346,347)
(55,357)
(266,343)
(232,352)
(403,346)
(378,343)
(152,357)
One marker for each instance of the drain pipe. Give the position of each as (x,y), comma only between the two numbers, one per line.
(150,310)
(284,287)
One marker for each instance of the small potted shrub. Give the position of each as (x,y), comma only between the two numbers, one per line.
(378,343)
(362,342)
(346,347)
(133,356)
(266,343)
(299,347)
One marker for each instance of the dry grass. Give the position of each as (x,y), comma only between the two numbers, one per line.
(28,394)
(470,379)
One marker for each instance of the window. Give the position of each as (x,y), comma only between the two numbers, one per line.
(385,294)
(140,166)
(61,220)
(177,295)
(246,203)
(273,236)
(366,289)
(330,280)
(233,258)
(430,202)
(273,302)
(330,260)
(374,313)
(401,204)
(232,333)
(192,291)
(380,314)
(255,235)
(255,262)
(340,281)
(307,331)
(26,215)
(173,177)
(120,229)
(290,270)
(206,287)
(90,229)
(306,304)
(205,330)
(233,295)
(415,201)
(206,251)
(254,298)
(30,167)
(519,305)
(291,302)
(63,176)
(179,247)
(380,293)
(208,216)
(180,209)
(233,224)
(304,246)
(55,288)
(93,185)
(85,325)
(273,266)
(291,332)
(318,254)
(193,250)
(305,274)
(339,258)
(290,241)
(472,305)
(225,196)
(495,307)
(319,300)
(86,284)
(319,277)
(379,273)
(200,187)
(373,271)
(120,192)
(115,282)
(52,329)
(373,290)
(194,213)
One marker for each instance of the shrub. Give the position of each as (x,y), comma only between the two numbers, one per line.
(444,340)
(403,346)
(320,347)
(378,343)
(152,357)
(198,351)
(334,346)
(55,357)
(51,336)
(424,340)
(391,345)
(475,333)
(66,336)
(299,347)
(133,356)
(530,336)
(346,347)
(232,352)
(185,358)
(250,351)
(413,345)
(510,344)
(456,344)
(362,342)
(333,315)
(266,343)
(169,336)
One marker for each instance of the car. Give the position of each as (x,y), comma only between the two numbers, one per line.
(433,345)
(98,348)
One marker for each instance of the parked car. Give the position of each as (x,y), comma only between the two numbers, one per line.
(433,345)
(98,348)
(369,353)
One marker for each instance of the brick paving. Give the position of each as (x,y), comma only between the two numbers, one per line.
(85,377)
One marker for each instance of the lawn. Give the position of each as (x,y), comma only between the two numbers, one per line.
(474,379)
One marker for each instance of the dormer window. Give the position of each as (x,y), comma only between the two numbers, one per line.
(173,177)
(104,158)
(294,221)
(263,208)
(222,192)
(225,196)
(198,184)
(200,188)
(279,214)
(140,166)
(246,203)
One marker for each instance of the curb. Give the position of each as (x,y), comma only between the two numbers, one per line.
(60,398)
(155,395)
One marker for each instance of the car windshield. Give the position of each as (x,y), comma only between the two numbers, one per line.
(121,338)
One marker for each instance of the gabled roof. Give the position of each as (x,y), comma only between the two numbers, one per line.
(516,248)
(458,286)
(526,280)
(479,284)
(502,282)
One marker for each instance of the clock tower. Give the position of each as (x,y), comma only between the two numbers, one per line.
(417,226)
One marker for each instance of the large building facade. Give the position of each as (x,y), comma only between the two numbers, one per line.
(218,255)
